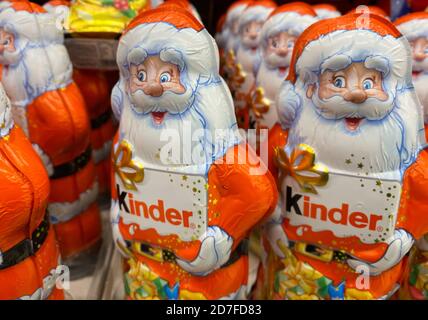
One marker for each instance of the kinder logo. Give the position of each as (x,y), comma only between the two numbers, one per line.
(340,215)
(153,212)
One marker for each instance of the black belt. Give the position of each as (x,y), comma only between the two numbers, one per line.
(69,168)
(164,255)
(319,253)
(100,120)
(27,247)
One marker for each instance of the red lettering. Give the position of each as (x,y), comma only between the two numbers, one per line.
(160,210)
(318,207)
(358,219)
(186,217)
(142,204)
(306,205)
(173,216)
(339,216)
(131,203)
(373,221)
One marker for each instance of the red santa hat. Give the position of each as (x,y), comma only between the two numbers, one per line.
(413,25)
(293,18)
(29,21)
(256,11)
(326,11)
(234,12)
(336,43)
(177,36)
(186,5)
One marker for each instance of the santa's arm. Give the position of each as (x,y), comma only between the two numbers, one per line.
(246,193)
(413,213)
(241,195)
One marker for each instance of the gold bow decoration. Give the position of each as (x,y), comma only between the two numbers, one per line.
(301,167)
(258,103)
(128,170)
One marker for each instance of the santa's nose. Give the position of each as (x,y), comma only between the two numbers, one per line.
(419,56)
(1,49)
(153,89)
(253,36)
(282,52)
(356,96)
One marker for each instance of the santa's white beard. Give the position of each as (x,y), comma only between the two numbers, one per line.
(247,59)
(270,80)
(420,82)
(275,61)
(40,69)
(210,112)
(420,66)
(373,150)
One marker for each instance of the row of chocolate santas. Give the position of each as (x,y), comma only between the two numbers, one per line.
(70,130)
(182,222)
(341,92)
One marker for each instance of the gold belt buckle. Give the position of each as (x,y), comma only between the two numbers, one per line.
(315,252)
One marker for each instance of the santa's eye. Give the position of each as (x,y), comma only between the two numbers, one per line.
(165,77)
(290,44)
(426,50)
(368,84)
(141,75)
(339,82)
(274,43)
(6,42)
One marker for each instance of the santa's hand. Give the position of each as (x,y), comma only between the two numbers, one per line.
(277,238)
(117,236)
(215,250)
(398,247)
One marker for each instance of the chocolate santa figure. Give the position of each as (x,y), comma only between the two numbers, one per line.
(326,11)
(414,27)
(277,39)
(182,205)
(352,174)
(49,108)
(29,255)
(94,87)
(228,42)
(247,55)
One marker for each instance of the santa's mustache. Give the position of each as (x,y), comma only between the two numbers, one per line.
(168,102)
(250,43)
(275,61)
(337,107)
(420,65)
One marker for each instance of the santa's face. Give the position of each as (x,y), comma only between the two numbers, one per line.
(250,35)
(7,42)
(420,54)
(352,95)
(155,88)
(279,49)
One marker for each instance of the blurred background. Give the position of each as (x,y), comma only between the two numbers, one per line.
(211,10)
